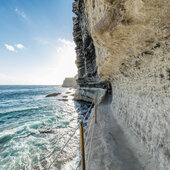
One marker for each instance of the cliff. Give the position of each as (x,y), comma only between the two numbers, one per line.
(86,56)
(128,44)
(69,82)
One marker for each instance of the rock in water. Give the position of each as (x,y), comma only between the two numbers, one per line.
(63,100)
(52,94)
(46,131)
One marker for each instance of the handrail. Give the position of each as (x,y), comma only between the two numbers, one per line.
(69,138)
(82,147)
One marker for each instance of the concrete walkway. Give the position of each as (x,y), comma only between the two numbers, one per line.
(109,148)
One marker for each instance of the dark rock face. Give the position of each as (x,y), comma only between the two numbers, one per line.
(86,57)
(53,95)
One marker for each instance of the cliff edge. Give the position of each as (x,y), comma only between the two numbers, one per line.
(88,80)
(70,82)
(127,44)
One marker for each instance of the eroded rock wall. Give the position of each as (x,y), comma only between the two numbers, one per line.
(86,57)
(123,29)
(132,45)
(89,94)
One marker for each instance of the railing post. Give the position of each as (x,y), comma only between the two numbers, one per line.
(82,146)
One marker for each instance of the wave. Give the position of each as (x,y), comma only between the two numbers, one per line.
(19,110)
(17,133)
(6,138)
(29,133)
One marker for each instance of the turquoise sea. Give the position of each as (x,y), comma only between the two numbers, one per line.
(33,128)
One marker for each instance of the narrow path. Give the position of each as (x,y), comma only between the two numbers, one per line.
(107,145)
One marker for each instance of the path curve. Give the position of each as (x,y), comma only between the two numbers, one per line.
(108,148)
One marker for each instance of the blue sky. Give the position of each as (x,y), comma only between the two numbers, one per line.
(36,44)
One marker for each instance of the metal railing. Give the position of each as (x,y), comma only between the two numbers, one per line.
(80,125)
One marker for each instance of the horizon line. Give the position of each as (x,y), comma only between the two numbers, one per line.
(30,84)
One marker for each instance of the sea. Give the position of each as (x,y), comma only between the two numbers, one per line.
(34,128)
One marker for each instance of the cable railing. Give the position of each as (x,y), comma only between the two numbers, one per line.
(79,124)
(74,132)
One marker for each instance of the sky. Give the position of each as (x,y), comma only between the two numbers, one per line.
(36,43)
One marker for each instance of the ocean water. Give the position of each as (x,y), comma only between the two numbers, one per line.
(34,128)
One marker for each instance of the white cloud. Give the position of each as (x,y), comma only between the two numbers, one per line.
(61,64)
(66,42)
(9,47)
(20,13)
(20,46)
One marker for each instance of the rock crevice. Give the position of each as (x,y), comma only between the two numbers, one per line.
(85,51)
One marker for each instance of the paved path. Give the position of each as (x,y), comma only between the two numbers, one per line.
(107,145)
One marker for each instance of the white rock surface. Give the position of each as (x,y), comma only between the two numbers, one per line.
(88,94)
(132,45)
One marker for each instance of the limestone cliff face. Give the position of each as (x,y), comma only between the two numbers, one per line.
(124,29)
(86,57)
(132,45)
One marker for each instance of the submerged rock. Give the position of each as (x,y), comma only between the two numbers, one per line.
(46,131)
(52,94)
(62,99)
(68,92)
(64,96)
